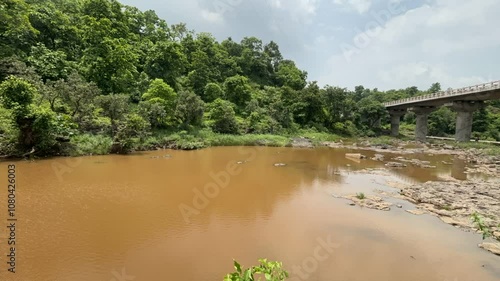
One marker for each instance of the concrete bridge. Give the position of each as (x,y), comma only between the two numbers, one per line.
(464,101)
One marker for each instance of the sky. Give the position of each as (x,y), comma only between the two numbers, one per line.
(384,44)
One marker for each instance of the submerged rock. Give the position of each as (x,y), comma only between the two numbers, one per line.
(370,202)
(395,165)
(416,212)
(355,155)
(378,157)
(492,247)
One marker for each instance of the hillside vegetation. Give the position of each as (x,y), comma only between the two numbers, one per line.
(96,76)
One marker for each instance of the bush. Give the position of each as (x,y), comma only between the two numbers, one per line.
(222,118)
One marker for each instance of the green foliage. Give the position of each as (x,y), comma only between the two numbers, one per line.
(221,117)
(237,90)
(481,226)
(89,67)
(212,92)
(442,122)
(361,196)
(270,270)
(131,131)
(17,94)
(161,93)
(289,75)
(88,144)
(190,109)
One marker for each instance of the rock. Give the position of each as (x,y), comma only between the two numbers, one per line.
(352,204)
(399,206)
(371,202)
(416,212)
(355,155)
(492,247)
(302,143)
(496,235)
(378,157)
(279,165)
(395,165)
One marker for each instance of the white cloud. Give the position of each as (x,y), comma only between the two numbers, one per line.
(212,17)
(451,42)
(361,6)
(299,10)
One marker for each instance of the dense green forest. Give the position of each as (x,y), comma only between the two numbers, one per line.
(96,76)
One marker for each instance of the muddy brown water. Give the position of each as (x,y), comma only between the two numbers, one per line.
(105,218)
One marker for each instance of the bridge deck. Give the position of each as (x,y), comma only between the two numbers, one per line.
(484,91)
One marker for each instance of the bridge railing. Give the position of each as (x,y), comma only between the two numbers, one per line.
(451,92)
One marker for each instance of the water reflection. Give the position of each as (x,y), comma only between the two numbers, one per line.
(110,212)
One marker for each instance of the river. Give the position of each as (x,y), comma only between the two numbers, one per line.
(185,215)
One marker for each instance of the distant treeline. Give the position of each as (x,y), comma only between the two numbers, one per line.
(100,69)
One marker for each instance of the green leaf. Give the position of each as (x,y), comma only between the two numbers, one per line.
(237,266)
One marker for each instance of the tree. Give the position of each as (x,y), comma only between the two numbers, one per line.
(166,61)
(77,93)
(114,107)
(16,32)
(111,64)
(222,118)
(237,90)
(161,93)
(131,132)
(338,105)
(436,87)
(442,122)
(154,113)
(289,75)
(212,92)
(36,125)
(370,112)
(190,109)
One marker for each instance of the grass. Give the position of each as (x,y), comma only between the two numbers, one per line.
(361,196)
(478,220)
(91,145)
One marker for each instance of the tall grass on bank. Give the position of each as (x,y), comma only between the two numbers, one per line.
(91,145)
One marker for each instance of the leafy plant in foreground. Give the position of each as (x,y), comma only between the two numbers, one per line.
(478,220)
(271,270)
(361,196)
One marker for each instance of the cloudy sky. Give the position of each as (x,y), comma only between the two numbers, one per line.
(381,44)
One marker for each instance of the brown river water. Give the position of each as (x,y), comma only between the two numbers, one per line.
(178,215)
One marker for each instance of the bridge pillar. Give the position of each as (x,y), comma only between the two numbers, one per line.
(395,120)
(421,129)
(465,110)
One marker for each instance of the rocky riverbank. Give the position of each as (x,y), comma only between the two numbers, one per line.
(456,203)
(477,159)
(469,205)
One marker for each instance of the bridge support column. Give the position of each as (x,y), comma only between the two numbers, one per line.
(421,129)
(465,110)
(395,120)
